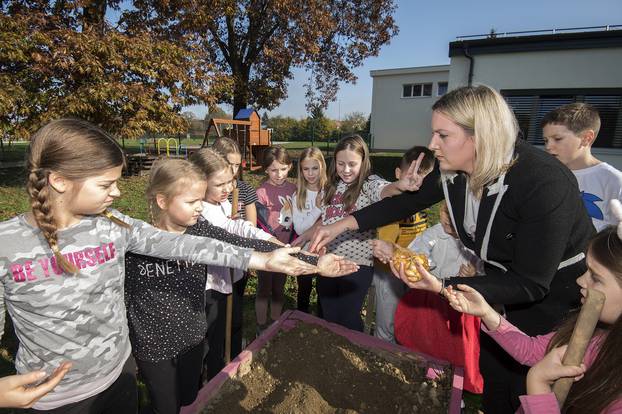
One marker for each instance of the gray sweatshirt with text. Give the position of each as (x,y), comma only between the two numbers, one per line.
(81,318)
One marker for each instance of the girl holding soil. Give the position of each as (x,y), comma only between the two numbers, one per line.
(166,310)
(62,269)
(306,211)
(350,187)
(599,386)
(275,197)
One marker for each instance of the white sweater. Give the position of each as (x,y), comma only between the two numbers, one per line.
(218,277)
(446,254)
(310,213)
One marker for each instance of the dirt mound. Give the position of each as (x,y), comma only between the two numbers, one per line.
(313,370)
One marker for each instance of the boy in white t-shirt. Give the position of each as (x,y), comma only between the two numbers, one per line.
(569,132)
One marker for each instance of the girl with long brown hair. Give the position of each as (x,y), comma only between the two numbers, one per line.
(598,388)
(350,187)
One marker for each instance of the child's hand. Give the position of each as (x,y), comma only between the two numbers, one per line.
(280,261)
(465,299)
(542,375)
(333,266)
(467,270)
(15,390)
(428,282)
(411,180)
(382,250)
(302,239)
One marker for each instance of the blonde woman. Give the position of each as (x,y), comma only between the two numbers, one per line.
(516,207)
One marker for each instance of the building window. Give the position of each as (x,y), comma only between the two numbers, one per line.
(414,90)
(442,89)
(531,106)
(407,91)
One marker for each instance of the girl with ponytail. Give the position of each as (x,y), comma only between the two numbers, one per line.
(62,268)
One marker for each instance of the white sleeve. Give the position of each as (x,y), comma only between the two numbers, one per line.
(303,220)
(425,241)
(243,228)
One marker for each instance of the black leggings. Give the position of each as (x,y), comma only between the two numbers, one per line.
(342,297)
(174,382)
(303,299)
(120,398)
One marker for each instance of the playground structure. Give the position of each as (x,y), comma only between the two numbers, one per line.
(246,130)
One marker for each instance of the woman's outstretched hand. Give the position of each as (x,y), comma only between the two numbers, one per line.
(411,180)
(18,391)
(332,265)
(281,261)
(428,282)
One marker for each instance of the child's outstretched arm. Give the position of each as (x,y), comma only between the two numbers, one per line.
(382,250)
(328,265)
(525,349)
(465,299)
(147,240)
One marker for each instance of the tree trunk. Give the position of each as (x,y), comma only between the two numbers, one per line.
(240,89)
(94,15)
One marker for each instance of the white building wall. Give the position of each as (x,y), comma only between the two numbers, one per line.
(559,69)
(400,123)
(577,68)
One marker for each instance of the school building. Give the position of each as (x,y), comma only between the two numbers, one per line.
(536,72)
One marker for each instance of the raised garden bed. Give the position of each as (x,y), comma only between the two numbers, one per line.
(303,364)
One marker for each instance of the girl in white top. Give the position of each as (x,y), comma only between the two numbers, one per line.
(221,280)
(306,210)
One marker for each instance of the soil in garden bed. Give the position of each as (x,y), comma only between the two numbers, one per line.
(310,369)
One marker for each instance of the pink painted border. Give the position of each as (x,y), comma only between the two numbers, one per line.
(287,321)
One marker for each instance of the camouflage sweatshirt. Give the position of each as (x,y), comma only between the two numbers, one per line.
(82,319)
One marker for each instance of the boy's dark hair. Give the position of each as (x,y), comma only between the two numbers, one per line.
(577,117)
(412,154)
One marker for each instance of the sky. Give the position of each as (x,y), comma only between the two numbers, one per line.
(425,30)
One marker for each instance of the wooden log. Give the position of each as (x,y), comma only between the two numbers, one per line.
(229,322)
(581,336)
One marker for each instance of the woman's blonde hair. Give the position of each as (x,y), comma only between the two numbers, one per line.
(76,150)
(301,184)
(483,113)
(353,143)
(169,177)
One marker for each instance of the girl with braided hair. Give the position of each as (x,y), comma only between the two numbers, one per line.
(62,268)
